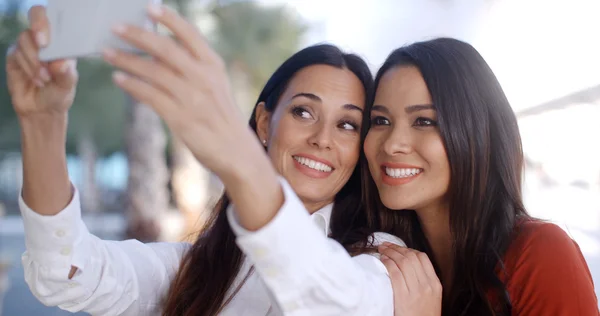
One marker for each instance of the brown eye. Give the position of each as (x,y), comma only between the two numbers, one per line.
(301,112)
(379,120)
(348,125)
(424,122)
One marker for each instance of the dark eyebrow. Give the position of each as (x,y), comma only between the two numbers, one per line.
(307,95)
(409,109)
(316,98)
(418,107)
(352,107)
(380,108)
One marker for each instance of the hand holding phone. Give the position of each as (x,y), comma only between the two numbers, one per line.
(81,28)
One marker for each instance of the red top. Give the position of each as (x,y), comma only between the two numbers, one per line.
(547,274)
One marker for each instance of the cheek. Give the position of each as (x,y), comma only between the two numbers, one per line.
(280,143)
(283,136)
(371,147)
(435,151)
(349,151)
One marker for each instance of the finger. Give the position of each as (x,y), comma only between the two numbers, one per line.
(415,257)
(188,35)
(145,93)
(26,69)
(61,67)
(29,49)
(64,72)
(39,25)
(428,268)
(398,281)
(151,71)
(161,47)
(405,265)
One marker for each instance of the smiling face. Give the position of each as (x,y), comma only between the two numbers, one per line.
(404,148)
(314,133)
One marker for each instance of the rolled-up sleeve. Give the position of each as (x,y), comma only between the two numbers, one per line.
(310,274)
(112,278)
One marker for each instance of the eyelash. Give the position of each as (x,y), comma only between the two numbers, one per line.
(298,110)
(429,121)
(419,122)
(354,125)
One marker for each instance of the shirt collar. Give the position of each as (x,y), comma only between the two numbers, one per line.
(322,218)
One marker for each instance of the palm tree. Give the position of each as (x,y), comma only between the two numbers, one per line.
(147,186)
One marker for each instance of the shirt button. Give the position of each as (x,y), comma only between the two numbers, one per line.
(60,233)
(65,251)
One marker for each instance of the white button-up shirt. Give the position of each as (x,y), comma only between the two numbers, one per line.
(299,271)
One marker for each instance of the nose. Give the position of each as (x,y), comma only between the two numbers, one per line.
(321,138)
(398,141)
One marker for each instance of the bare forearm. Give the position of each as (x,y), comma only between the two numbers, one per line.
(46,186)
(253,188)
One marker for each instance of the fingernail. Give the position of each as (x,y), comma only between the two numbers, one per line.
(119,28)
(65,67)
(110,53)
(119,76)
(44,74)
(38,83)
(41,39)
(155,10)
(384,257)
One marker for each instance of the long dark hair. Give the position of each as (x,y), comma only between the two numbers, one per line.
(483,145)
(211,266)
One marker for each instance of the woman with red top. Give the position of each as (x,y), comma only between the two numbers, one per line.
(445,154)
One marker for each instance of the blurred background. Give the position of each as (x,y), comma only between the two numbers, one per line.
(137,181)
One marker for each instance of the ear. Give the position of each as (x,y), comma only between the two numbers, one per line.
(263,120)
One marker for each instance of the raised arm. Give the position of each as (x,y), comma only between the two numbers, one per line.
(64,264)
(186,84)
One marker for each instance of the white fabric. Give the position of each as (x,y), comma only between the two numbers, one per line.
(313,275)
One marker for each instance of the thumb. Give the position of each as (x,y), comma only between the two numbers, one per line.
(64,72)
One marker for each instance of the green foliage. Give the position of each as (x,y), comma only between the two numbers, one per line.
(98,109)
(11,25)
(256,38)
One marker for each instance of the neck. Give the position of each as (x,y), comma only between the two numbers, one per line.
(435,222)
(313,206)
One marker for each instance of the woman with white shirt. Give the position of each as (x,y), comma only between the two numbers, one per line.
(309,117)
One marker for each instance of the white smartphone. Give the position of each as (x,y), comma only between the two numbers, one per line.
(82,28)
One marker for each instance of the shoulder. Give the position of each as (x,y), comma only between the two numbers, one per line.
(536,239)
(546,273)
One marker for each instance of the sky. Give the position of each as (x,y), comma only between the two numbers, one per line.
(539,50)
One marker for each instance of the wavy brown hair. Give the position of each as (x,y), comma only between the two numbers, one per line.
(203,284)
(483,145)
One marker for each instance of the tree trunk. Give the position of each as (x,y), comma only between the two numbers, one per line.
(4,282)
(147,191)
(89,190)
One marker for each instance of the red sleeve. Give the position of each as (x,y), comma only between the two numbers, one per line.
(548,274)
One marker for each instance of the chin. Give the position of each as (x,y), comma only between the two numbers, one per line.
(310,193)
(395,201)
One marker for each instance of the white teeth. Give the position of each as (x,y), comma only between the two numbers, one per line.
(401,172)
(313,164)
